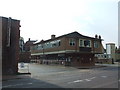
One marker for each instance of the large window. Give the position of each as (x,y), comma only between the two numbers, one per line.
(85,43)
(56,43)
(51,44)
(72,42)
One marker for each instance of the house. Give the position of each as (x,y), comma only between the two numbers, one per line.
(28,44)
(9,28)
(110,55)
(72,49)
(25,54)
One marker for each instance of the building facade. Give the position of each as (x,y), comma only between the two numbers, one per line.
(25,54)
(28,44)
(21,44)
(70,49)
(110,50)
(111,53)
(10,44)
(117,55)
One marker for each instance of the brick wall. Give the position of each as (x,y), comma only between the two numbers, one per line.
(25,57)
(0,48)
(10,55)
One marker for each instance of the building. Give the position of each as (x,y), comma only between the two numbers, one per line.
(9,28)
(25,54)
(110,50)
(117,54)
(28,44)
(70,49)
(108,55)
(111,53)
(21,44)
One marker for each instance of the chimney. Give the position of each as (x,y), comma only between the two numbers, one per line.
(52,36)
(96,36)
(99,37)
(28,39)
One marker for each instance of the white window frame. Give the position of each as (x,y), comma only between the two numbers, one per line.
(82,45)
(72,42)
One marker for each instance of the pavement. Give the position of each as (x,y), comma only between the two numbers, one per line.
(27,75)
(11,77)
(117,64)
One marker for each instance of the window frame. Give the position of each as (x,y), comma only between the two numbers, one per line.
(72,41)
(83,41)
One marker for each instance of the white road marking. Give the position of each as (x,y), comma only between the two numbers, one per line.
(16,85)
(76,81)
(88,80)
(103,76)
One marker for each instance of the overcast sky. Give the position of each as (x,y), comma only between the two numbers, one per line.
(41,18)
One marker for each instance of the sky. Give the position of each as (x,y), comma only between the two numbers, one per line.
(40,19)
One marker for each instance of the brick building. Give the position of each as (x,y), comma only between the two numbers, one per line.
(25,54)
(70,49)
(28,44)
(10,44)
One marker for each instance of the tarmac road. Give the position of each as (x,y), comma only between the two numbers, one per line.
(52,76)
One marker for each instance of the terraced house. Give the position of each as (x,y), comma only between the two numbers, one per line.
(70,49)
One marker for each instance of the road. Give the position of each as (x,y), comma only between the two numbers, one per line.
(52,76)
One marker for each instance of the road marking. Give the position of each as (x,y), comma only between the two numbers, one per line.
(88,80)
(16,85)
(76,81)
(104,76)
(84,70)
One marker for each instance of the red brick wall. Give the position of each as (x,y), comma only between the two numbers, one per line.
(82,60)
(25,57)
(10,55)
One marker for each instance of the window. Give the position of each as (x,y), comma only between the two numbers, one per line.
(96,45)
(39,47)
(87,43)
(72,42)
(54,45)
(81,43)
(59,43)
